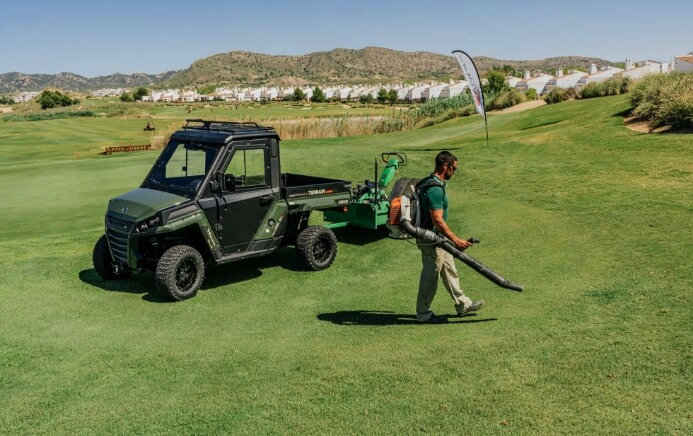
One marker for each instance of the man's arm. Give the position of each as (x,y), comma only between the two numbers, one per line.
(442,226)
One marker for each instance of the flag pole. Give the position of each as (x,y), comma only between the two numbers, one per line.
(486,123)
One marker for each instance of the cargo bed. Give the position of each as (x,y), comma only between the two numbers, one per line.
(297,185)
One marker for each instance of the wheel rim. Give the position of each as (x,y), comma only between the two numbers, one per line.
(322,249)
(186,274)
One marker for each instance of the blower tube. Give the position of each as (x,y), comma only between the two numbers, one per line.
(429,236)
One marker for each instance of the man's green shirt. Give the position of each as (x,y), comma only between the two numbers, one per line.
(432,198)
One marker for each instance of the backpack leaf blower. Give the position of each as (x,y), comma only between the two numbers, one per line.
(406,225)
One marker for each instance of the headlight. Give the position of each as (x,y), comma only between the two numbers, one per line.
(147,224)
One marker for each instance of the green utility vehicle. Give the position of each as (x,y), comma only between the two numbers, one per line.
(215,195)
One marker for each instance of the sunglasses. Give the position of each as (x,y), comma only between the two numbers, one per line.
(454,168)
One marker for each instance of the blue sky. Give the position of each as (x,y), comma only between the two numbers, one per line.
(93,38)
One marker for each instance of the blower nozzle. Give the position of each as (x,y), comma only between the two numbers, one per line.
(429,236)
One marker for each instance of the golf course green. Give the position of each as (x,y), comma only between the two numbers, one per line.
(593,219)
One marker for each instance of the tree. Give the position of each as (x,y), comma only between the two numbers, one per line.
(6,100)
(392,96)
(507,69)
(51,99)
(46,100)
(141,92)
(496,81)
(383,95)
(298,95)
(126,97)
(365,98)
(318,96)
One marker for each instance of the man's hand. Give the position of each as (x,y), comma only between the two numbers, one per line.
(462,243)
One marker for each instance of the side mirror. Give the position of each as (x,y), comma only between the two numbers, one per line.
(229,182)
(215,183)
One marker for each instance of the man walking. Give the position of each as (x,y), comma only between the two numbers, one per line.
(433,203)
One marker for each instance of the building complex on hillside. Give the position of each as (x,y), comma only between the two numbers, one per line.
(540,82)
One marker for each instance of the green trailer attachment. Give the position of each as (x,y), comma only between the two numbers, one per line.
(370,206)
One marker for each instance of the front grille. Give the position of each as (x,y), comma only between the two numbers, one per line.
(118,233)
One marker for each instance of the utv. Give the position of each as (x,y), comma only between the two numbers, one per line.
(215,195)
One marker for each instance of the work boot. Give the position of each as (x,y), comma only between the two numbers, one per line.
(471,308)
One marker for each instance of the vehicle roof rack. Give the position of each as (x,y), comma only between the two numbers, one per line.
(225,126)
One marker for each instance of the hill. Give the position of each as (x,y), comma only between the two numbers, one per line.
(19,82)
(367,65)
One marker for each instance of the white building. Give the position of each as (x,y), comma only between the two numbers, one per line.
(108,92)
(170,95)
(255,94)
(25,96)
(373,91)
(155,96)
(328,92)
(241,95)
(355,93)
(416,93)
(270,94)
(286,93)
(308,92)
(538,83)
(597,76)
(226,94)
(434,91)
(189,96)
(564,81)
(342,93)
(683,64)
(454,89)
(643,69)
(403,92)
(512,81)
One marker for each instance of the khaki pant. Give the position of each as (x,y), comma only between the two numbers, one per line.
(437,263)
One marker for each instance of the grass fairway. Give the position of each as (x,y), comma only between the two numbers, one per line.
(593,219)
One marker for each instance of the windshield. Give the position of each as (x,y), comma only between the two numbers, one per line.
(182,167)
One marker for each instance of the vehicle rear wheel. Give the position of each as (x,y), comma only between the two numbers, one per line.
(316,247)
(103,262)
(180,272)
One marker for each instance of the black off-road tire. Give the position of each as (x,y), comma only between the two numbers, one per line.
(316,248)
(180,272)
(103,262)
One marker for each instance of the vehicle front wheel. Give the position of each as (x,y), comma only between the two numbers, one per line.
(180,272)
(103,262)
(316,247)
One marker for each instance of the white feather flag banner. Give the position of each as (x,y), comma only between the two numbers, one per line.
(471,75)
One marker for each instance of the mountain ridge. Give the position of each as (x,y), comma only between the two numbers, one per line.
(20,82)
(337,66)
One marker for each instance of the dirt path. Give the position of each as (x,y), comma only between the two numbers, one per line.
(521,107)
(636,124)
(5,110)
